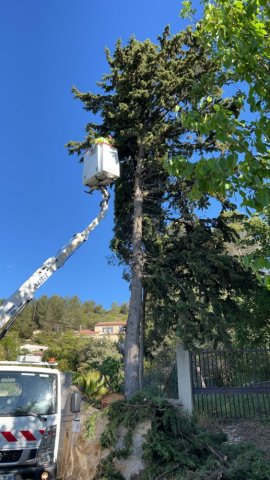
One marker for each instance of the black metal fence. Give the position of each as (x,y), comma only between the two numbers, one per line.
(231,383)
(162,382)
(170,389)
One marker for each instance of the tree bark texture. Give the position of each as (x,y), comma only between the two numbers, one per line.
(132,340)
(142,324)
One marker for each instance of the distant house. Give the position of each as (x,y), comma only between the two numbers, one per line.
(87,333)
(35,349)
(111,330)
(115,328)
(31,353)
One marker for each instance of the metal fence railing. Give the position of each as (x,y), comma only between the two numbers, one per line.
(162,382)
(231,383)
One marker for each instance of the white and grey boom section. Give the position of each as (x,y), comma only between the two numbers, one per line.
(11,308)
(94,176)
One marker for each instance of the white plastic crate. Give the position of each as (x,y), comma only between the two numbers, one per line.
(100,165)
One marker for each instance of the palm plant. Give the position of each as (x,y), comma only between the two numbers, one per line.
(92,384)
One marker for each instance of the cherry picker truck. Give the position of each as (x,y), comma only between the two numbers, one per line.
(32,397)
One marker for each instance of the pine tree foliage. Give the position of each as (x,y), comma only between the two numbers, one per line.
(138,105)
(199,288)
(175,446)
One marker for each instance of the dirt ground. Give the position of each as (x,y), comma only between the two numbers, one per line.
(255,432)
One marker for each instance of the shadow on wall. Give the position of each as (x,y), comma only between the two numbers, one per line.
(83,455)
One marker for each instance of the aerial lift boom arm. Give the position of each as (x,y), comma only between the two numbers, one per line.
(13,306)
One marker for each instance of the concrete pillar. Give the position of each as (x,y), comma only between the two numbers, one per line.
(184,378)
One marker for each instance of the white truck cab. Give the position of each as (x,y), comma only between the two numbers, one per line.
(32,403)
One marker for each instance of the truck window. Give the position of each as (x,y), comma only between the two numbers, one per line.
(22,393)
(9,387)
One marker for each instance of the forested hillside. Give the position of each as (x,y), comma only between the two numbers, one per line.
(52,321)
(61,314)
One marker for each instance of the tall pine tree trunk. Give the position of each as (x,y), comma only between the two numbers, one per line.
(132,341)
(142,326)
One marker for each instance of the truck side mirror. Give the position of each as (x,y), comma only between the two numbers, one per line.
(75,402)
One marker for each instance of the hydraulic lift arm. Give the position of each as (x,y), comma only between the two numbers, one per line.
(13,306)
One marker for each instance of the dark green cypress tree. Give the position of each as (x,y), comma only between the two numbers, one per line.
(140,106)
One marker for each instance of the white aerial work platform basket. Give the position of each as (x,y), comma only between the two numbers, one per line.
(100,165)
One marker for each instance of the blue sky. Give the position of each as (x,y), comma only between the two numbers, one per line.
(48,46)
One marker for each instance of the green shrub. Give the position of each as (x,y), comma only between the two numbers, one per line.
(92,384)
(176,447)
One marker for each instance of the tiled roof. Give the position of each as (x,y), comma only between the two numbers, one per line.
(110,324)
(86,332)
